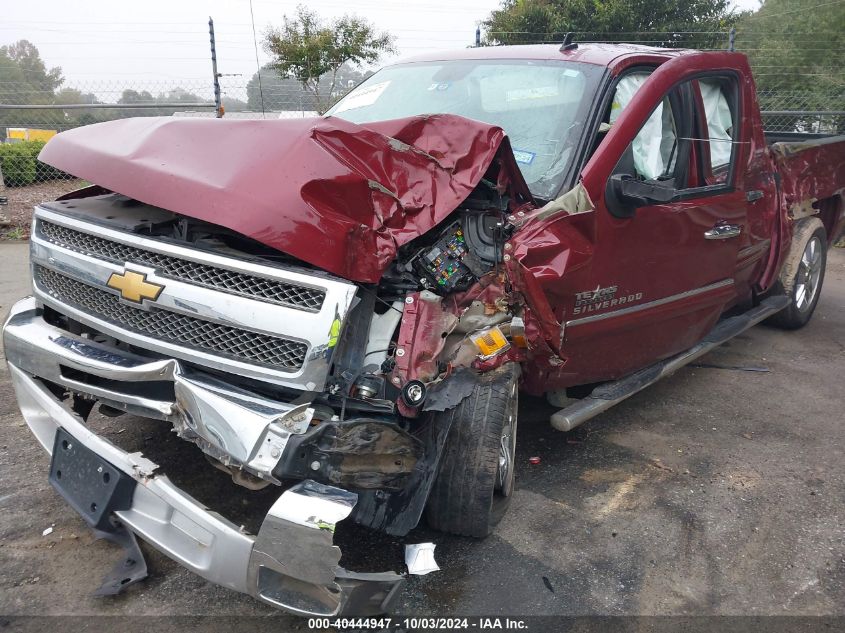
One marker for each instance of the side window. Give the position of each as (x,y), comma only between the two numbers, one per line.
(686,147)
(717,128)
(661,149)
(655,147)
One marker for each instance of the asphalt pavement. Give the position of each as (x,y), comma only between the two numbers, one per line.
(720,491)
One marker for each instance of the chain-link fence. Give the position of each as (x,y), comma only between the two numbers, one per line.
(30,117)
(800,111)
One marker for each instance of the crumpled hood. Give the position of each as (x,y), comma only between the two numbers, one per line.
(338,195)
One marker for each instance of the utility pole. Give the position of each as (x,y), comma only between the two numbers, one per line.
(218,104)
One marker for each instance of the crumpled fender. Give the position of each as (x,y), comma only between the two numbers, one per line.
(337,195)
(547,246)
(810,171)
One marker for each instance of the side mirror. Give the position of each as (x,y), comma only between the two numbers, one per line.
(637,193)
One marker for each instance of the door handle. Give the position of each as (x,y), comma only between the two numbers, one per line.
(753,195)
(723,231)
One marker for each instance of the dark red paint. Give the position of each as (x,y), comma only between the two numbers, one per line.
(344,197)
(334,194)
(661,252)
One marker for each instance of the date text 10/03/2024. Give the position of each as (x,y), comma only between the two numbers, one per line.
(421,623)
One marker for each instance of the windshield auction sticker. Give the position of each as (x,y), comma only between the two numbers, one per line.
(361,97)
(535,92)
(523,157)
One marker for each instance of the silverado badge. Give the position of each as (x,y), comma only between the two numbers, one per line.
(601,298)
(134,286)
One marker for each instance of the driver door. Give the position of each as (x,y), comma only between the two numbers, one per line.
(667,240)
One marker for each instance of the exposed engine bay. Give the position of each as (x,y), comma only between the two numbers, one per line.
(409,347)
(320,332)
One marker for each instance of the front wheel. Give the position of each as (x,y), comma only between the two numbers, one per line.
(475,478)
(803,275)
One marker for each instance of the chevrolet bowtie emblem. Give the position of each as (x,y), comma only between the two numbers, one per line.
(134,286)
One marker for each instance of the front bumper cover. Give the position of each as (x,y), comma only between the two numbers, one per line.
(291,564)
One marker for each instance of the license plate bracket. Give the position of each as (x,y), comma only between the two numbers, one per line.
(91,485)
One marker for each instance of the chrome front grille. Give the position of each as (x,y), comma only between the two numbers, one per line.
(239,283)
(217,310)
(239,344)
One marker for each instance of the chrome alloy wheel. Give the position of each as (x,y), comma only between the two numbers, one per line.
(507,450)
(809,273)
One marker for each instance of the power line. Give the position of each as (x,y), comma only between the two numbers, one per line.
(399,29)
(759,16)
(257,63)
(384,6)
(229,32)
(228,43)
(725,32)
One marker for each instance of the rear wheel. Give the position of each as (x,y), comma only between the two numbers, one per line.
(475,479)
(803,275)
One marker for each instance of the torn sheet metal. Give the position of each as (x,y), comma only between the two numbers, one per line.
(480,315)
(361,454)
(422,335)
(449,392)
(295,563)
(548,247)
(131,568)
(235,431)
(360,192)
(574,201)
(419,557)
(810,171)
(543,252)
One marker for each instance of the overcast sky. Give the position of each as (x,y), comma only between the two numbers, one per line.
(97,40)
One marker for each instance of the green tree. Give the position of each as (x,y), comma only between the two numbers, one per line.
(276,92)
(24,79)
(180,95)
(74,96)
(133,96)
(175,96)
(20,62)
(231,104)
(69,118)
(306,48)
(284,93)
(656,22)
(797,51)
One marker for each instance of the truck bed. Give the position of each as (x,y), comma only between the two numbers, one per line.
(812,175)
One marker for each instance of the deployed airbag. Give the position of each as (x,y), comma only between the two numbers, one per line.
(653,145)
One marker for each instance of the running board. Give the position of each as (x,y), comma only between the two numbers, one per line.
(609,394)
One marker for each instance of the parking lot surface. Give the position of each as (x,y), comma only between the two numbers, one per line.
(718,491)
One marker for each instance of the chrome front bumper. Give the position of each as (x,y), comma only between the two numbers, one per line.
(291,564)
(234,426)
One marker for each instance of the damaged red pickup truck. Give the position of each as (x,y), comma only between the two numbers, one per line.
(346,307)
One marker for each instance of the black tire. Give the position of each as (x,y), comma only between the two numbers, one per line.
(472,492)
(803,276)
